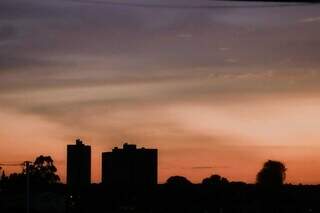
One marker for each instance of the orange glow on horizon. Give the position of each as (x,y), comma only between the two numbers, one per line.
(193,140)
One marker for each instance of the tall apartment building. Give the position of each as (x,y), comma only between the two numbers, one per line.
(78,165)
(130,166)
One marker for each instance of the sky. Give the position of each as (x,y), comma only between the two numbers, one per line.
(217,87)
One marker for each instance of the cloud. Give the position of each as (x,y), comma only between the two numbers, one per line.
(187,5)
(201,167)
(311,19)
(185,36)
(6,33)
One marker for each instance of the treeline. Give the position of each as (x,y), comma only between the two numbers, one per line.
(42,173)
(215,194)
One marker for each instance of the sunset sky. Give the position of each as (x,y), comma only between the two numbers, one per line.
(217,87)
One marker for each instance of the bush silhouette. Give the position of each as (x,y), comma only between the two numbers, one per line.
(178,181)
(215,180)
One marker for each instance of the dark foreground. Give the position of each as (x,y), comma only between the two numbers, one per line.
(225,198)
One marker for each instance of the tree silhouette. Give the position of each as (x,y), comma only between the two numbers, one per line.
(3,176)
(178,181)
(2,180)
(272,174)
(43,170)
(215,180)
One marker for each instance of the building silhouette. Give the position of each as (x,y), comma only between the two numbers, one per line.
(130,166)
(78,165)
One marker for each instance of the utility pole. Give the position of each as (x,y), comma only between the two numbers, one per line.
(27,164)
